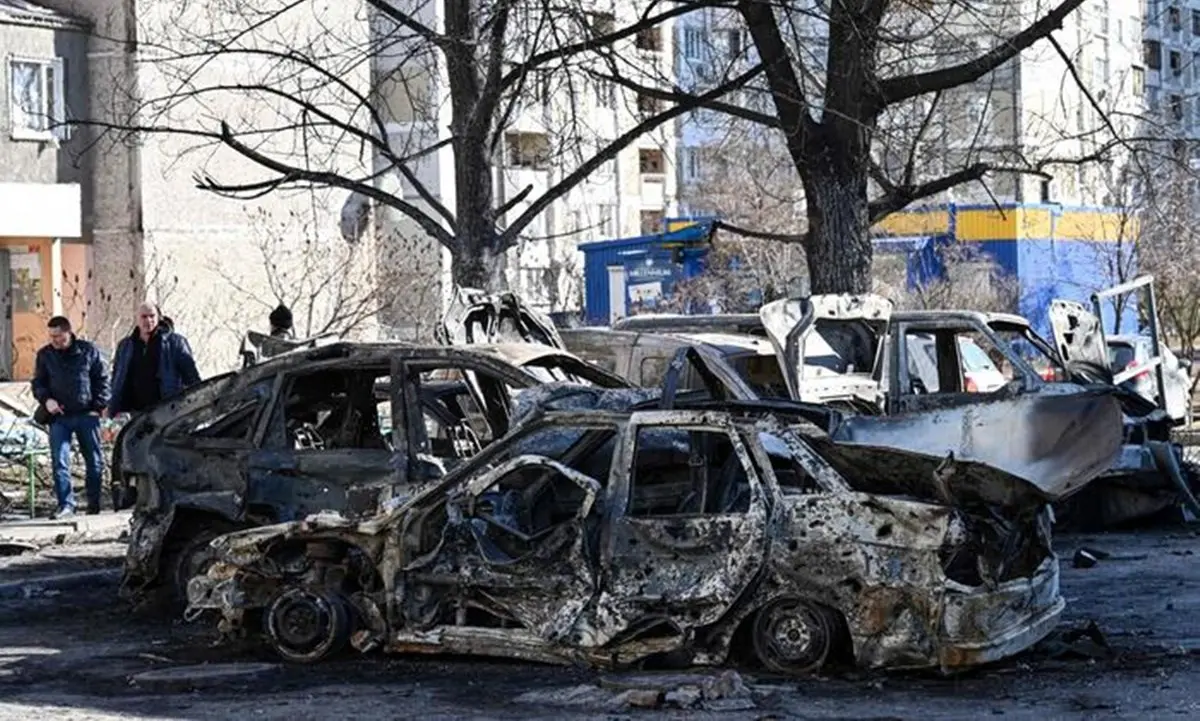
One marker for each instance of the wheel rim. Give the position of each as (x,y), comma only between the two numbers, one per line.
(304,625)
(792,636)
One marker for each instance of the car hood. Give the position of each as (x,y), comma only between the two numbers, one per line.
(789,321)
(475,316)
(1017,452)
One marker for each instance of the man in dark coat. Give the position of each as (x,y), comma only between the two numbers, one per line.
(281,322)
(69,381)
(151,364)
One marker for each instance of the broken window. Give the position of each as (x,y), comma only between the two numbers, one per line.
(948,361)
(679,471)
(790,475)
(335,408)
(231,418)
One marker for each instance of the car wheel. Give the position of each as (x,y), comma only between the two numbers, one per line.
(305,625)
(793,636)
(192,558)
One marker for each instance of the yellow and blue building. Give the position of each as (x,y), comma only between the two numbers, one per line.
(1051,251)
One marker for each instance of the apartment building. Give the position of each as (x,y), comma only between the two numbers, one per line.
(41,199)
(1026,112)
(559,121)
(1170,73)
(93,221)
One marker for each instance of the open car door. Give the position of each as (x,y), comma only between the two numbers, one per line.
(1078,336)
(829,346)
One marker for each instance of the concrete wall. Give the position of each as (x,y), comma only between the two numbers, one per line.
(216,265)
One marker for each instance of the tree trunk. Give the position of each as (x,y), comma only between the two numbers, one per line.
(838,244)
(482,267)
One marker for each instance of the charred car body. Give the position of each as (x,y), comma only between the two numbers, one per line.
(343,427)
(857,354)
(683,529)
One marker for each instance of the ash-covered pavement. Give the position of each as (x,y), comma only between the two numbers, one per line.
(80,654)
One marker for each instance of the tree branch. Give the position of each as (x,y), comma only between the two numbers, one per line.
(679,95)
(625,140)
(898,89)
(292,174)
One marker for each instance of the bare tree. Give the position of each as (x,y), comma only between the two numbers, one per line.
(970,279)
(883,95)
(740,275)
(329,285)
(310,99)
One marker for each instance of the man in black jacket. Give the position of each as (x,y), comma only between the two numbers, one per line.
(71,383)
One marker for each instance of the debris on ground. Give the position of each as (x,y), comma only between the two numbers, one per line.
(1089,557)
(195,677)
(16,548)
(1088,642)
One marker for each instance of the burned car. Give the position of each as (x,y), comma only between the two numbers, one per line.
(343,427)
(708,532)
(858,354)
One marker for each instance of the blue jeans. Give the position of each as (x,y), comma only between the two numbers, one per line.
(86,428)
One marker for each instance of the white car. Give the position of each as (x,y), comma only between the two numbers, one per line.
(1128,352)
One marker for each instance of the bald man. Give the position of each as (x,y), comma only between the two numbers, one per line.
(152,364)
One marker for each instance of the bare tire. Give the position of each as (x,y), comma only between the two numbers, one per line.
(793,636)
(190,557)
(304,625)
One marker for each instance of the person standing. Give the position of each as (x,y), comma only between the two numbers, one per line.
(151,364)
(70,382)
(281,322)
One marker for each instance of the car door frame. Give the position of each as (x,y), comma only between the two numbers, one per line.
(299,464)
(622,610)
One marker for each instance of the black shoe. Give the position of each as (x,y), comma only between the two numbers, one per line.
(93,510)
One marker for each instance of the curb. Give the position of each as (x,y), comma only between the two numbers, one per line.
(34,587)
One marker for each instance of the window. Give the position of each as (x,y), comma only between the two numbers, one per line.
(1176,63)
(650,40)
(606,214)
(1175,18)
(1102,11)
(648,106)
(601,23)
(734,41)
(335,408)
(1152,98)
(693,43)
(1196,67)
(652,221)
(528,150)
(1153,10)
(1100,71)
(1139,80)
(651,162)
(1045,191)
(36,103)
(604,92)
(947,361)
(1152,50)
(1196,22)
(689,164)
(678,471)
(1177,107)
(232,418)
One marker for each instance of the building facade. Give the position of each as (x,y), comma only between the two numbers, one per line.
(119,216)
(559,121)
(42,212)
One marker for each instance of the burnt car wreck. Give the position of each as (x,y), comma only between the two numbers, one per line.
(610,532)
(347,427)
